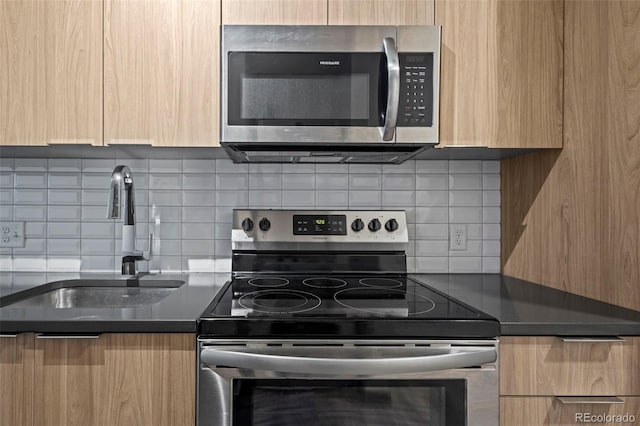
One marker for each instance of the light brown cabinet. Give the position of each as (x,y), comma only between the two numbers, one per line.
(161,72)
(116,379)
(16,379)
(548,381)
(50,72)
(380,12)
(501,73)
(274,12)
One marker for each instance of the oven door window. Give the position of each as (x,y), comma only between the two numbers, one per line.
(306,89)
(289,402)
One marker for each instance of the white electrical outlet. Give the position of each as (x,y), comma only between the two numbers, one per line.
(11,234)
(458,237)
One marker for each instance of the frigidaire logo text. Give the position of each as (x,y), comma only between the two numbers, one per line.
(329,62)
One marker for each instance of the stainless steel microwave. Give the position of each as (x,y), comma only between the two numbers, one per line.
(329,93)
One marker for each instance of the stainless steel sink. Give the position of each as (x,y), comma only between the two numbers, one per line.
(97,294)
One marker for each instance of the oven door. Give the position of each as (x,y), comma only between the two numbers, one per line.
(309,84)
(385,383)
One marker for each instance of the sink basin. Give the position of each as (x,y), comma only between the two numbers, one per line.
(95,294)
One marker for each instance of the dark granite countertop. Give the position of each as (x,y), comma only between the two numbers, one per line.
(176,313)
(524,308)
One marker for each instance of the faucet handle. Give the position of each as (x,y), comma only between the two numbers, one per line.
(148,255)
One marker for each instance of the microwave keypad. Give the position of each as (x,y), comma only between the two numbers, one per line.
(416,82)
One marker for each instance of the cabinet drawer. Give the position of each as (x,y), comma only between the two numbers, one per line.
(550,366)
(537,410)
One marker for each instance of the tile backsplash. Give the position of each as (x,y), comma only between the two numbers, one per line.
(187,205)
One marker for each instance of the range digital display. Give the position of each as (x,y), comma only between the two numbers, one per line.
(319,225)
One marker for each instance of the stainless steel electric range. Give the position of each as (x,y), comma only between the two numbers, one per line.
(320,325)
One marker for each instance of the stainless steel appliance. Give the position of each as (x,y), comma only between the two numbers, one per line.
(329,93)
(320,325)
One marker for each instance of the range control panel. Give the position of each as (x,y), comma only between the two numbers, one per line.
(312,227)
(416,90)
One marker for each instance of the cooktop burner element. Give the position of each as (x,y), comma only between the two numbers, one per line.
(268,282)
(279,302)
(381,302)
(381,282)
(324,282)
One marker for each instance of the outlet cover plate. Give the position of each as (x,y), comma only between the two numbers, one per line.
(11,234)
(458,237)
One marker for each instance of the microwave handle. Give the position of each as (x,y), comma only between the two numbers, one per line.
(348,366)
(393,95)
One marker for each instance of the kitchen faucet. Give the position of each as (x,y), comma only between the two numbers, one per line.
(122,175)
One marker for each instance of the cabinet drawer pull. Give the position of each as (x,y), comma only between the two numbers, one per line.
(8,335)
(603,339)
(67,336)
(607,400)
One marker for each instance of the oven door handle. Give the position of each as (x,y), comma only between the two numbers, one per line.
(347,366)
(393,94)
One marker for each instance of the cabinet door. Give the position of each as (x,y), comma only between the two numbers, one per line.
(501,78)
(274,12)
(50,72)
(117,379)
(16,380)
(161,72)
(536,411)
(381,12)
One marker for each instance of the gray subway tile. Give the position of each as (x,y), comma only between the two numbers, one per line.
(399,181)
(465,265)
(465,166)
(97,230)
(169,231)
(364,182)
(474,248)
(299,181)
(265,198)
(65,196)
(198,165)
(298,199)
(30,165)
(73,165)
(432,181)
(99,165)
(6,164)
(64,214)
(31,246)
(492,166)
(298,168)
(264,181)
(35,229)
(223,214)
(95,214)
(170,263)
(365,168)
(222,231)
(491,198)
(30,196)
(30,180)
(30,263)
(137,165)
(232,181)
(474,231)
(465,214)
(332,168)
(64,180)
(197,247)
(165,166)
(438,264)
(490,265)
(6,196)
(425,248)
(198,231)
(197,214)
(63,246)
(165,197)
(326,199)
(491,215)
(30,213)
(491,248)
(170,248)
(6,212)
(370,199)
(64,263)
(432,166)
(191,197)
(491,231)
(398,198)
(265,168)
(232,198)
(408,166)
(436,231)
(432,198)
(63,230)
(465,198)
(491,182)
(6,180)
(460,182)
(96,180)
(224,165)
(432,215)
(222,249)
(165,181)
(98,263)
(199,181)
(328,182)
(97,247)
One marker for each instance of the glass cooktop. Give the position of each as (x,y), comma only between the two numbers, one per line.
(362,305)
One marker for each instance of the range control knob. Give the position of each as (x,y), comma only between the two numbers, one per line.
(247,225)
(391,225)
(357,225)
(374,225)
(264,224)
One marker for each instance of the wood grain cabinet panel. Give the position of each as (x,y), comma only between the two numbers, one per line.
(118,379)
(274,12)
(549,366)
(501,77)
(537,411)
(16,380)
(161,72)
(381,12)
(50,72)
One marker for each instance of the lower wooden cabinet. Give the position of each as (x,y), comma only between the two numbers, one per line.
(115,379)
(16,379)
(540,410)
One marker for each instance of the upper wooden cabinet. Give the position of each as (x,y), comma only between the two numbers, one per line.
(381,12)
(161,72)
(274,12)
(50,72)
(501,78)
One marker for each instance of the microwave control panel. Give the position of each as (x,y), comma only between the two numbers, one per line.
(416,90)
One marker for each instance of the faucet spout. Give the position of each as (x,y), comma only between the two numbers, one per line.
(121,178)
